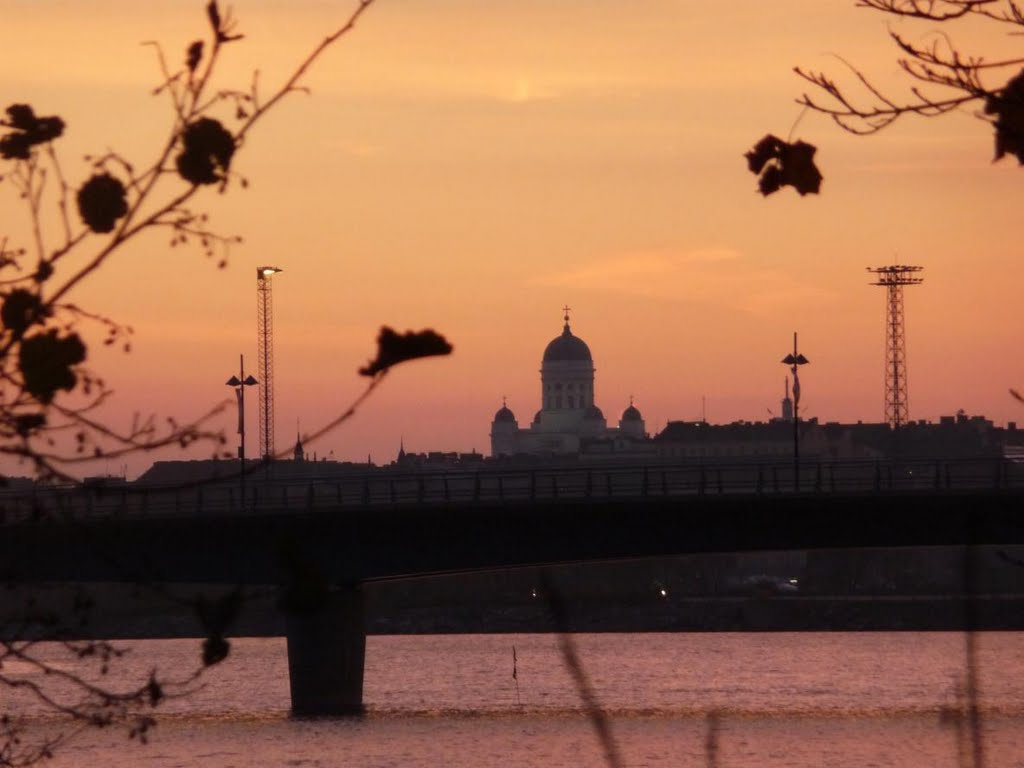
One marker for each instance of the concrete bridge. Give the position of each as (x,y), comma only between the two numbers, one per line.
(320,539)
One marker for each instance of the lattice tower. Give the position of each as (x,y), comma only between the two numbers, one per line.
(893,278)
(265,331)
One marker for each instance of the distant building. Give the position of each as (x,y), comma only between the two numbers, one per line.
(698,440)
(436,460)
(569,421)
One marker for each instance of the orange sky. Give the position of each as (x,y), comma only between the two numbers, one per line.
(474,166)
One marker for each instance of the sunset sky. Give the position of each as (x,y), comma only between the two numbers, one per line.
(474,166)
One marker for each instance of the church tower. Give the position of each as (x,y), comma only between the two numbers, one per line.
(632,422)
(567,387)
(503,432)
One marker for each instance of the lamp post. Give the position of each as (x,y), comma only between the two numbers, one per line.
(240,382)
(795,360)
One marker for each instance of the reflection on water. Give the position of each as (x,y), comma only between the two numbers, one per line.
(785,699)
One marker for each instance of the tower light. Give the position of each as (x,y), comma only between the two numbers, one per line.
(265,331)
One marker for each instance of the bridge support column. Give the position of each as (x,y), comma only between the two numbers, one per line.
(326,651)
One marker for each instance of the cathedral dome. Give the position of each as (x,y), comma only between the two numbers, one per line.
(631,414)
(567,348)
(593,413)
(504,415)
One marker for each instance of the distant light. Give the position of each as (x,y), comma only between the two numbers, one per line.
(265,272)
(533,593)
(794,581)
(663,592)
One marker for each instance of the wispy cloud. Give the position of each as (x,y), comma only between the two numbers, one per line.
(526,89)
(719,276)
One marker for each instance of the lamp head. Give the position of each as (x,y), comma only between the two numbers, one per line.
(264,273)
(233,381)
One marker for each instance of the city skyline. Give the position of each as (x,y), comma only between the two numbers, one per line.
(474,170)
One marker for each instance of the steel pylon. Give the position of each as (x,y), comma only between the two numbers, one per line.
(893,278)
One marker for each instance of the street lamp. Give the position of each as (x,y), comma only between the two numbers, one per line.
(795,360)
(240,382)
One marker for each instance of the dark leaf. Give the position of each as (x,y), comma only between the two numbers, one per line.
(28,423)
(207,148)
(47,129)
(394,348)
(15,146)
(770,180)
(46,361)
(766,149)
(101,202)
(194,55)
(782,164)
(21,117)
(798,169)
(29,130)
(215,650)
(1008,106)
(213,13)
(154,691)
(21,309)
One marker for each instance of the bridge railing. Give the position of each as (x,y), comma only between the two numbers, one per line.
(388,488)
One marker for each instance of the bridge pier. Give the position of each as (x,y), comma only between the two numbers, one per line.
(326,651)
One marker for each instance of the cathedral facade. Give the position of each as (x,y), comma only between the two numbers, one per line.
(569,421)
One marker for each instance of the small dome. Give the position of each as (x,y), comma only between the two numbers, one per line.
(593,413)
(536,418)
(631,414)
(567,348)
(504,415)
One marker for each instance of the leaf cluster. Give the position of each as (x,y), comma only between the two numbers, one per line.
(48,395)
(779,163)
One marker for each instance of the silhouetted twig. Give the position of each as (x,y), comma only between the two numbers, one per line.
(941,77)
(573,663)
(972,683)
(48,415)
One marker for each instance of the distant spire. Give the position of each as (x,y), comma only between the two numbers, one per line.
(401,448)
(566,309)
(787,404)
